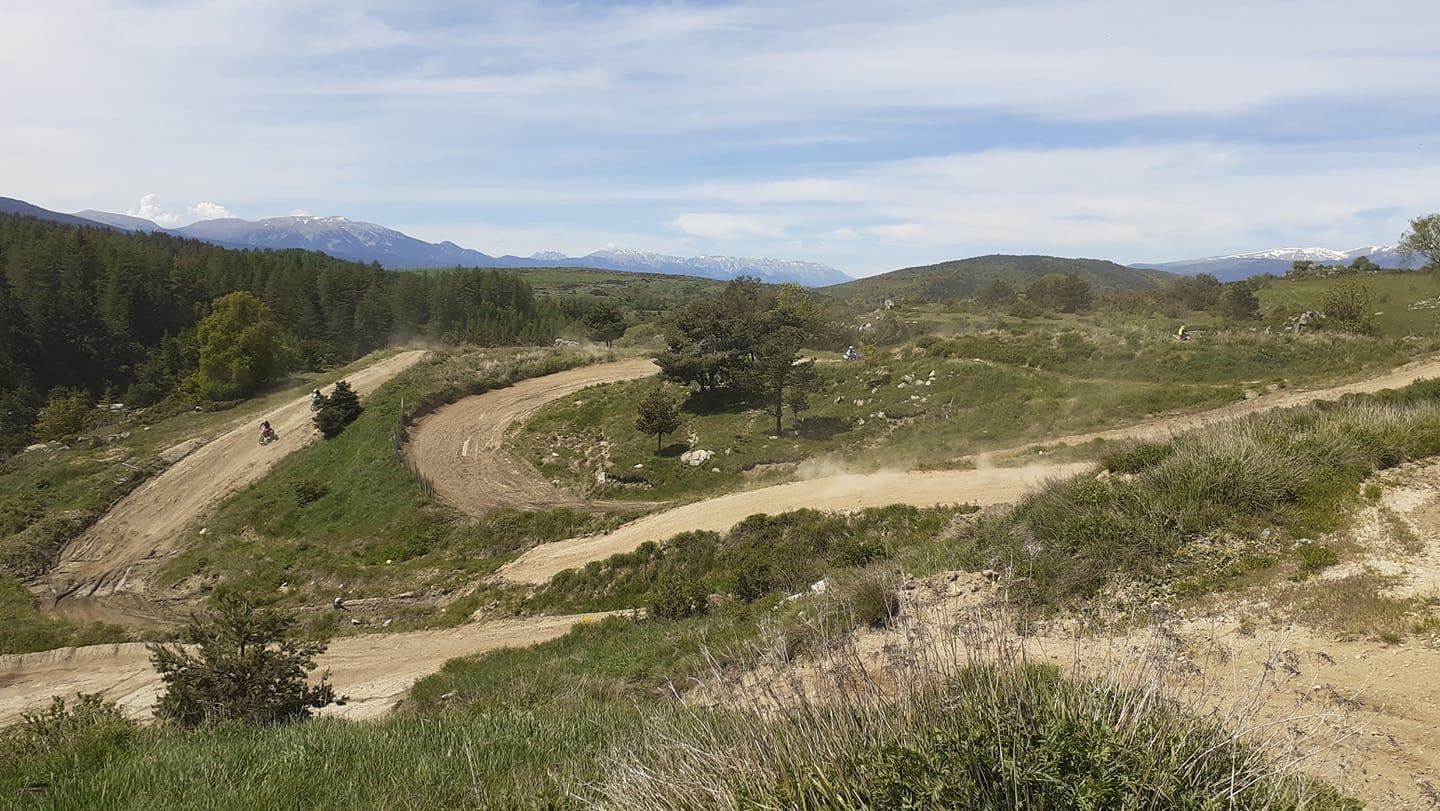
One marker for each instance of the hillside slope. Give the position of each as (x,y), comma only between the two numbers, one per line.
(962,277)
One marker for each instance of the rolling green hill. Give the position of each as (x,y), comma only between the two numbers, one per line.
(962,277)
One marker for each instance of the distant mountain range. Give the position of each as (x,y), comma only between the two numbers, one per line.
(1279,260)
(368,242)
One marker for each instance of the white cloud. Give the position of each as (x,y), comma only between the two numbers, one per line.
(149,208)
(208,211)
(727,226)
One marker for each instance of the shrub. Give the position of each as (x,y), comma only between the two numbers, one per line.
(870,596)
(1136,457)
(247,666)
(678,600)
(1315,557)
(67,413)
(310,490)
(60,724)
(338,410)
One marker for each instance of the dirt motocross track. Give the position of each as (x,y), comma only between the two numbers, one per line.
(111,556)
(460,447)
(373,672)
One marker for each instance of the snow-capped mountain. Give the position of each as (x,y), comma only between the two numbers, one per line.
(718,267)
(1279,260)
(367,242)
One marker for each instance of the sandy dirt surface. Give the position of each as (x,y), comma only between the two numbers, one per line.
(372,671)
(111,557)
(461,447)
(834,493)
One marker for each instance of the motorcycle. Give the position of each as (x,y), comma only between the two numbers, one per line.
(266,437)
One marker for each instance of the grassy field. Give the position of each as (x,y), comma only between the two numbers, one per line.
(935,401)
(1408,302)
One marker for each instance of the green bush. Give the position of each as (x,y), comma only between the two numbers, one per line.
(338,410)
(246,665)
(1136,457)
(677,600)
(67,414)
(1315,557)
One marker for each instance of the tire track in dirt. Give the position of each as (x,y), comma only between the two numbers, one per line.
(373,671)
(114,555)
(982,486)
(461,446)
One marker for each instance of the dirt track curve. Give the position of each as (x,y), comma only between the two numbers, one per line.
(832,493)
(372,671)
(986,485)
(145,525)
(460,447)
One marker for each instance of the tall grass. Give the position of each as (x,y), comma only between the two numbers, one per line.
(1187,515)
(962,717)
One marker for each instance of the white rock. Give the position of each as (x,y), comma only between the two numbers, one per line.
(639,466)
(696,457)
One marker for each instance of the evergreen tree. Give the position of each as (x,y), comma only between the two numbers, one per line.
(338,410)
(247,665)
(777,371)
(604,322)
(657,415)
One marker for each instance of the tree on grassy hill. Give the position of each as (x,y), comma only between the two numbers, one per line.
(604,322)
(657,415)
(777,370)
(241,348)
(708,343)
(1350,306)
(1238,302)
(247,665)
(1423,238)
(338,410)
(996,293)
(1200,292)
(1062,292)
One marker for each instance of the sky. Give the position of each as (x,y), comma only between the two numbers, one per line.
(866,135)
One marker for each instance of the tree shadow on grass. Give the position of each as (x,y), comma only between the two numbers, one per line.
(823,428)
(717,401)
(673,450)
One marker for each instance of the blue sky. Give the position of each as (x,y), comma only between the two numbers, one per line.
(865,135)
